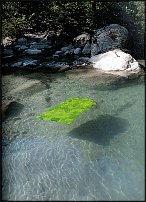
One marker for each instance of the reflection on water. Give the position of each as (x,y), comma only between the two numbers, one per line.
(100,156)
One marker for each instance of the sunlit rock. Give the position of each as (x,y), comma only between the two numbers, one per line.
(115,60)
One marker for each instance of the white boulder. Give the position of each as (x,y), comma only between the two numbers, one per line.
(115,60)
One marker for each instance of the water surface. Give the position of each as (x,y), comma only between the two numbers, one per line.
(100,156)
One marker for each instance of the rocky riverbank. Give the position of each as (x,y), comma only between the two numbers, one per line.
(58,53)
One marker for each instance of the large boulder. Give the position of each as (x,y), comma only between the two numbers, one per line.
(115,60)
(109,38)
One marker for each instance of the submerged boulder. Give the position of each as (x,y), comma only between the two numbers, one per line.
(109,38)
(115,60)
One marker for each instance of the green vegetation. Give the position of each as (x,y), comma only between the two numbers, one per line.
(68,110)
(74,17)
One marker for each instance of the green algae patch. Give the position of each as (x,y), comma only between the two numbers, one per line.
(67,111)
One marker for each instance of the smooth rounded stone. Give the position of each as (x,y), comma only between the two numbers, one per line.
(33,51)
(22,41)
(87,49)
(107,38)
(77,51)
(114,61)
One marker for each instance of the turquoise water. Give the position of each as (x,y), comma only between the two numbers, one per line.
(100,156)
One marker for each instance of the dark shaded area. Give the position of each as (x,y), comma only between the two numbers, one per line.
(101,130)
(14,109)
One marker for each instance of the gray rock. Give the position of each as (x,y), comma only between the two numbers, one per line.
(24,63)
(22,41)
(87,49)
(84,59)
(67,48)
(23,47)
(29,63)
(55,57)
(81,40)
(33,51)
(58,52)
(55,65)
(115,60)
(7,52)
(17,64)
(77,51)
(67,53)
(40,46)
(109,38)
(17,47)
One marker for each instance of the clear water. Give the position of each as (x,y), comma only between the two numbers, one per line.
(100,156)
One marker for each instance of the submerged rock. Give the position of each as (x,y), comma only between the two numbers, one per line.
(115,60)
(8,105)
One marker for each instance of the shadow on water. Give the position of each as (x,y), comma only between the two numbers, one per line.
(101,130)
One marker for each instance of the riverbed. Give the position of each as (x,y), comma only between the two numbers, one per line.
(100,156)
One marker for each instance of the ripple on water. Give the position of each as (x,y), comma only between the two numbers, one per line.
(98,157)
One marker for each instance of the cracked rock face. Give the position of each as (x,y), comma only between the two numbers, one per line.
(109,38)
(115,60)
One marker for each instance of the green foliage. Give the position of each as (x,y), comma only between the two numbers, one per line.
(74,17)
(68,110)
